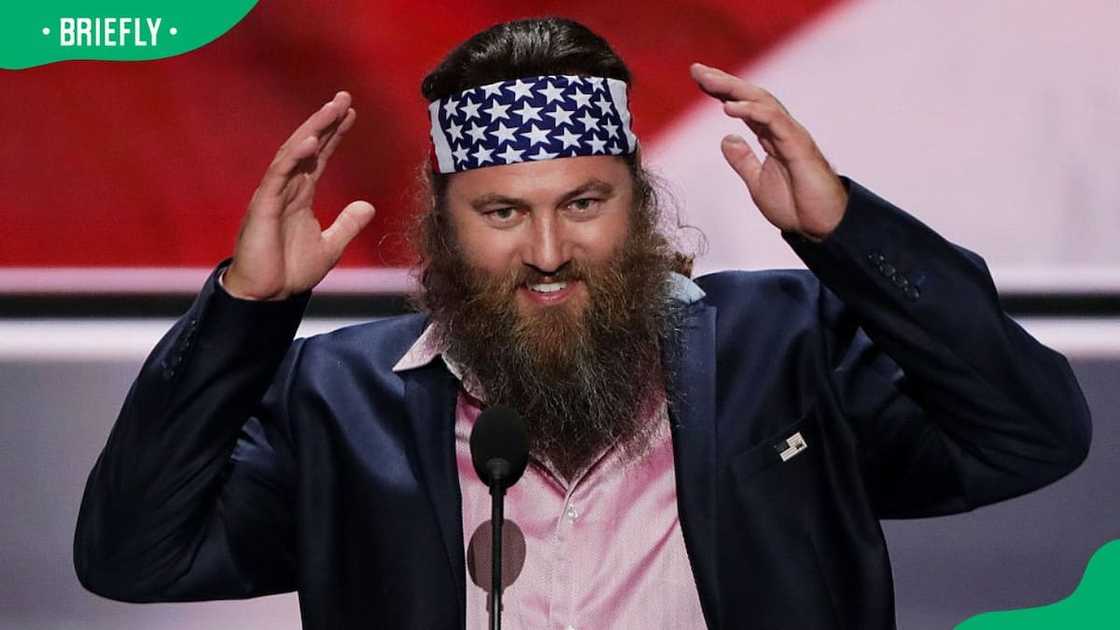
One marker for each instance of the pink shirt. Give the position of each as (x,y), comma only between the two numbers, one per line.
(606,552)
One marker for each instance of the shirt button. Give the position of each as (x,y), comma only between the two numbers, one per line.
(572,515)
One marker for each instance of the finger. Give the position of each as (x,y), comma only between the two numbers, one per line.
(296,148)
(774,121)
(279,181)
(780,135)
(300,187)
(768,146)
(742,159)
(346,226)
(309,165)
(332,142)
(285,164)
(328,115)
(339,126)
(728,87)
(299,192)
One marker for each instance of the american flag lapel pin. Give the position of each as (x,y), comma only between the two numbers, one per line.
(791,446)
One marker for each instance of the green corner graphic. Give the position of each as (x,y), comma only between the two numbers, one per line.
(1093,604)
(38,33)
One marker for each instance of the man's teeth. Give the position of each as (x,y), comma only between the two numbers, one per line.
(551,287)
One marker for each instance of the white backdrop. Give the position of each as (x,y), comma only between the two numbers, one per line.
(997,123)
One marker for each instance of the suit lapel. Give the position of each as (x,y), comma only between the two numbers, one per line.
(693,419)
(430,394)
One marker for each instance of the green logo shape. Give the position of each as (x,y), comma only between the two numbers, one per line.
(38,33)
(1092,605)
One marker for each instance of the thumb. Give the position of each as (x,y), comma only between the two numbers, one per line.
(346,226)
(742,159)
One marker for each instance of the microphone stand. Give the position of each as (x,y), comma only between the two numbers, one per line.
(499,470)
(499,452)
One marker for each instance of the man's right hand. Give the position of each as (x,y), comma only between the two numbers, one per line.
(281,249)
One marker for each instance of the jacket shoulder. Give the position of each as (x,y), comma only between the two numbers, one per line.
(774,307)
(379,343)
(772,289)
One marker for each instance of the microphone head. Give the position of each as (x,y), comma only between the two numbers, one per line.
(499,446)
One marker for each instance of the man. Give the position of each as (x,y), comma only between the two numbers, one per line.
(712,452)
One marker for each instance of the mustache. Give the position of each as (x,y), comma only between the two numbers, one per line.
(522,275)
(568,272)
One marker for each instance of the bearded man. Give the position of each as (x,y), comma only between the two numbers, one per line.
(716,451)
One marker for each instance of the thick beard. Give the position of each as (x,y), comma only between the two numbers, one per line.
(583,382)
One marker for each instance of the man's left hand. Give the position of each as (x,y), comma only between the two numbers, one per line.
(794,187)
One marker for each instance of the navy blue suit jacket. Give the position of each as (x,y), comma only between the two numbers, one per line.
(244,463)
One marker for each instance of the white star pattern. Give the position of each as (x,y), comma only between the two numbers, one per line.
(476,132)
(596,144)
(483,155)
(504,133)
(521,89)
(497,110)
(569,139)
(528,112)
(470,109)
(551,93)
(541,154)
(511,155)
(451,107)
(589,121)
(536,135)
(560,116)
(528,119)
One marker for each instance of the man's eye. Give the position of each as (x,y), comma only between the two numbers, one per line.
(502,214)
(584,204)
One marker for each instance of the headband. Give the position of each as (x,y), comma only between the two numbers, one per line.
(531,118)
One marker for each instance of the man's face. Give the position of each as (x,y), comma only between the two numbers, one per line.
(538,222)
(552,289)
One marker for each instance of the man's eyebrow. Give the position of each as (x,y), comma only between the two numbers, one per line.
(591,185)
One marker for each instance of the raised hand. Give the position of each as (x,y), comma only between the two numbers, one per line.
(794,187)
(281,249)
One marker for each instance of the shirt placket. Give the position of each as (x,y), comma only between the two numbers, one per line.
(563,594)
(566,577)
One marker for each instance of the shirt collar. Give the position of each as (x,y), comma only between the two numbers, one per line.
(425,349)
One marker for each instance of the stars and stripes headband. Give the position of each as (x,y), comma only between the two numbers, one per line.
(531,118)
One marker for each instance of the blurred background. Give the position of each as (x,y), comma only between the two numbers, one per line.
(996,123)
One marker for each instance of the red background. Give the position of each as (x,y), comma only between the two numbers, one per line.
(151,164)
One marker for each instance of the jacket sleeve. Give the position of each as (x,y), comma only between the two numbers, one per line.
(953,404)
(190,497)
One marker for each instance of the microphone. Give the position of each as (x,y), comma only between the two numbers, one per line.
(499,447)
(500,453)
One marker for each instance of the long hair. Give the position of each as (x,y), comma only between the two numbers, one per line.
(507,51)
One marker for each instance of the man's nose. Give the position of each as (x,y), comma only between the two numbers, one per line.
(547,249)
